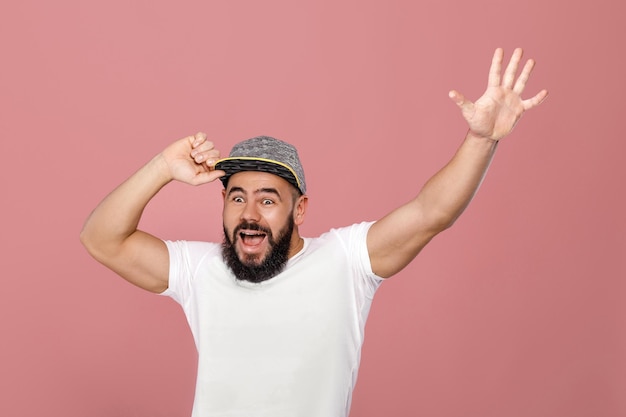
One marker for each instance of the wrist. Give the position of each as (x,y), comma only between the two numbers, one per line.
(160,170)
(480,145)
(481,139)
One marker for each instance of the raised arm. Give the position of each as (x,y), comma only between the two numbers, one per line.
(396,239)
(110,233)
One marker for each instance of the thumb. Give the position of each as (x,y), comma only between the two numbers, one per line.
(459,100)
(207,176)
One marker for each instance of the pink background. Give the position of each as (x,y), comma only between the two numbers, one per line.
(516,311)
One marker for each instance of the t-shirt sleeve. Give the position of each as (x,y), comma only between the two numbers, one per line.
(371,280)
(185,258)
(179,278)
(355,240)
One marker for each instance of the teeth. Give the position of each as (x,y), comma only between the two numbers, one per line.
(252,234)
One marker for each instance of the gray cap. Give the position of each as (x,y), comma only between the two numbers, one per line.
(265,154)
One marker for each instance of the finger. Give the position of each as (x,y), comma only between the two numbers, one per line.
(460,100)
(205,146)
(520,84)
(511,69)
(208,157)
(536,100)
(496,68)
(198,139)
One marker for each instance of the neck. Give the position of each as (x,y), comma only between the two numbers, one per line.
(297,243)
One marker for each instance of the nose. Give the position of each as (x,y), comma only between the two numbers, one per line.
(250,212)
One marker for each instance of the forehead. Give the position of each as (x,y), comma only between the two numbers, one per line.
(255,180)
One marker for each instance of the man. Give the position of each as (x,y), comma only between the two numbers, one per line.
(278,319)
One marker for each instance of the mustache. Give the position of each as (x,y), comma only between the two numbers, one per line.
(246,225)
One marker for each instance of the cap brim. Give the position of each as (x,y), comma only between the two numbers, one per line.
(234,165)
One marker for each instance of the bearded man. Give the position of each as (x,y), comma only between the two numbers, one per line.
(278,319)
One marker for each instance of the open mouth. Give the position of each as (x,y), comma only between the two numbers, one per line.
(252,237)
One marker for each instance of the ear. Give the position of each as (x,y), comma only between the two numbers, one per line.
(300,209)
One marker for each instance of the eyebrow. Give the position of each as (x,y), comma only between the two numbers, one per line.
(267,190)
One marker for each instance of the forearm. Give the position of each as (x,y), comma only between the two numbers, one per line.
(446,195)
(398,237)
(117,216)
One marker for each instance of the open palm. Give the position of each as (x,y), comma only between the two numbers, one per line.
(496,112)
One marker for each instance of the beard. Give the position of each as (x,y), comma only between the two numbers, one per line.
(250,268)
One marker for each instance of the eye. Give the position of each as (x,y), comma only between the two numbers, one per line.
(267,202)
(238,199)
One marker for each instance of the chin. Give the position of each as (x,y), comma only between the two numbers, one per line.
(250,260)
(258,267)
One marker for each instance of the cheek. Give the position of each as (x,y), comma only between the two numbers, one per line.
(281,222)
(277,218)
(231,212)
(229,220)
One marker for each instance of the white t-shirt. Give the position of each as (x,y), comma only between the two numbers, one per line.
(287,347)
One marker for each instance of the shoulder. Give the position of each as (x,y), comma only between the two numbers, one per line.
(349,242)
(192,249)
(351,232)
(354,234)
